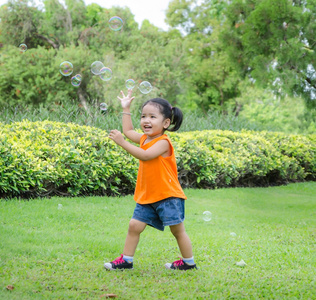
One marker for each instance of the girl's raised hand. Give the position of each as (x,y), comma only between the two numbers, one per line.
(126,100)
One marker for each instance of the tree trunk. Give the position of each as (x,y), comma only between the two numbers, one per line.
(55,46)
(82,100)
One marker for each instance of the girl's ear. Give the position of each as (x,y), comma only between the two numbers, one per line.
(166,123)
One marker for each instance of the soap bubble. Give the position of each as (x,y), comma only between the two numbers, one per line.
(130,83)
(233,234)
(23,47)
(145,87)
(103,107)
(96,67)
(76,80)
(116,23)
(106,74)
(207,216)
(60,206)
(66,68)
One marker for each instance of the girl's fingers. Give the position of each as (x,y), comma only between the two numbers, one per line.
(127,97)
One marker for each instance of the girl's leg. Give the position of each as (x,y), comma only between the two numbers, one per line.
(183,240)
(134,230)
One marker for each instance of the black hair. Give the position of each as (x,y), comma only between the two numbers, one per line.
(173,113)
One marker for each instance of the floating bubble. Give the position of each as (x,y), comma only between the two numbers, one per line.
(106,74)
(130,83)
(60,206)
(96,67)
(23,47)
(233,234)
(79,77)
(145,87)
(116,23)
(66,68)
(76,80)
(207,216)
(103,107)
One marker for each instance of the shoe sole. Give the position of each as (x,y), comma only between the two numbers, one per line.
(109,268)
(168,266)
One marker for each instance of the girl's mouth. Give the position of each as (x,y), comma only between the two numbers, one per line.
(147,127)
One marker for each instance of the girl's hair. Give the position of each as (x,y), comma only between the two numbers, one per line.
(173,113)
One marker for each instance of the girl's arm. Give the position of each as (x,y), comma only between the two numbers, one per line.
(159,148)
(128,128)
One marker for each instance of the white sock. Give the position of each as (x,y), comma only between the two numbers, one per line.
(128,259)
(189,261)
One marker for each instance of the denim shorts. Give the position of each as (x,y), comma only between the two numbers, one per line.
(163,213)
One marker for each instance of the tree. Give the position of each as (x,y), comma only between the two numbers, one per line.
(274,43)
(32,77)
(211,81)
(19,23)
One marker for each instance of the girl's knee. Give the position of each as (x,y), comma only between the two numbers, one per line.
(177,230)
(136,226)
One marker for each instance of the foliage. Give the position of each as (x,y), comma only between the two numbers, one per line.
(274,43)
(25,79)
(211,82)
(141,54)
(72,112)
(51,158)
(274,113)
(19,23)
(212,49)
(211,159)
(260,111)
(51,253)
(42,158)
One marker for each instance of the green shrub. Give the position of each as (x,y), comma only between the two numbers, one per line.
(47,158)
(263,109)
(210,159)
(52,158)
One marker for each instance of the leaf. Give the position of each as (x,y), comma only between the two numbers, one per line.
(241,263)
(10,287)
(109,296)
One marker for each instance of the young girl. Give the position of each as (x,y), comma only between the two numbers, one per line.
(158,194)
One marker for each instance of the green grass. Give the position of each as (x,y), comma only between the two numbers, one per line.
(71,112)
(51,253)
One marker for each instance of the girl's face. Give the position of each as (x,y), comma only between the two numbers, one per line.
(152,121)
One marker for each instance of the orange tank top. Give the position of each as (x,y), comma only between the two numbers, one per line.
(157,179)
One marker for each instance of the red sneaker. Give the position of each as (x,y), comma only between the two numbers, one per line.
(118,264)
(180,265)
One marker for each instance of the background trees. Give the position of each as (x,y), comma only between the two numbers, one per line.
(216,53)
(274,43)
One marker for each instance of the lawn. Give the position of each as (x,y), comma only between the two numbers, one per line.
(55,248)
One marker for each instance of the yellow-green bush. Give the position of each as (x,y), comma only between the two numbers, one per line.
(52,158)
(217,158)
(47,158)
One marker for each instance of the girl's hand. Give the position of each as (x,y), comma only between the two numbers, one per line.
(117,137)
(126,100)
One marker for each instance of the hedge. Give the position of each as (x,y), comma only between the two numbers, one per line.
(40,159)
